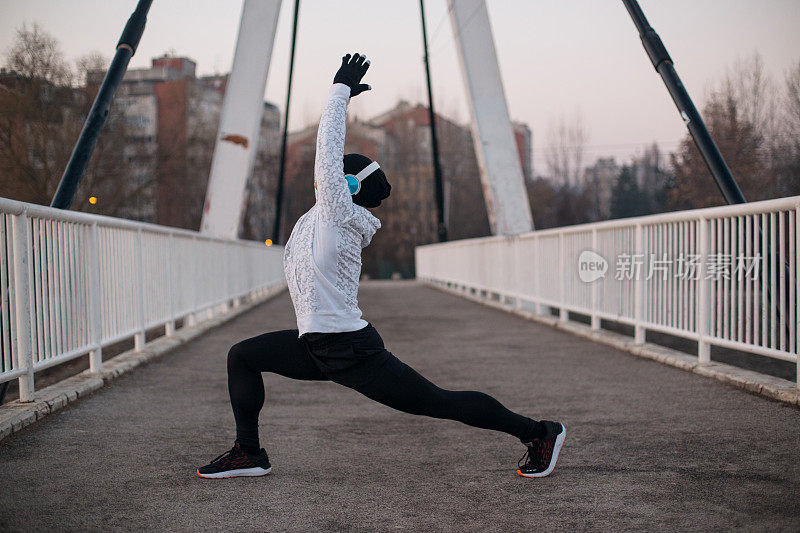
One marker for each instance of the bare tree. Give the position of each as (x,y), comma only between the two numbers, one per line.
(757,130)
(35,105)
(41,116)
(92,62)
(35,54)
(753,90)
(789,171)
(564,152)
(792,102)
(741,146)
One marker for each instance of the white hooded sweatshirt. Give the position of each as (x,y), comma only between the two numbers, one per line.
(322,259)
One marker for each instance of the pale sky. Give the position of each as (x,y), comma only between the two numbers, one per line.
(556,57)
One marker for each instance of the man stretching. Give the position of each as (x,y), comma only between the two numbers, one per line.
(322,264)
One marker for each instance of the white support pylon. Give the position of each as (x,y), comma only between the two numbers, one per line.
(495,147)
(240,122)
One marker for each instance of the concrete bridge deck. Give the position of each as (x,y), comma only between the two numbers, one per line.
(649,446)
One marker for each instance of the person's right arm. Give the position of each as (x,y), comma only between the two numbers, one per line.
(332,192)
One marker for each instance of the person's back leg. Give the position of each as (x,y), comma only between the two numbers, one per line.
(400,387)
(379,375)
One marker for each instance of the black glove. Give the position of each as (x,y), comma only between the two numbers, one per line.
(351,72)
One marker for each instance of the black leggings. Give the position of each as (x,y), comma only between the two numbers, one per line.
(355,359)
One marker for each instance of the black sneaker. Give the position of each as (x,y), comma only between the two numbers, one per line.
(542,454)
(236,462)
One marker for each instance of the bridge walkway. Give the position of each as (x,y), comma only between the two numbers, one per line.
(649,446)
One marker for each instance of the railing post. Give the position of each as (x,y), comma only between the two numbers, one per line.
(139,337)
(538,308)
(22,305)
(638,294)
(96,355)
(595,285)
(169,327)
(241,259)
(228,282)
(703,347)
(563,313)
(796,302)
(517,243)
(214,310)
(191,319)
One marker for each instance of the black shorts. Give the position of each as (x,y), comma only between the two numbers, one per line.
(352,358)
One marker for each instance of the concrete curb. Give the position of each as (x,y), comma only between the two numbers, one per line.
(16,415)
(764,385)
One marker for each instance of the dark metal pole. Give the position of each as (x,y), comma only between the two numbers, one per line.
(663,64)
(126,47)
(437,169)
(279,195)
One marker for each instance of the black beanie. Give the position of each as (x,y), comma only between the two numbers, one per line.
(374,188)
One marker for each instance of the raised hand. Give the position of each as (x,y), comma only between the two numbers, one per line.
(350,73)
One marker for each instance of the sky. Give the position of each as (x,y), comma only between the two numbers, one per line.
(557,58)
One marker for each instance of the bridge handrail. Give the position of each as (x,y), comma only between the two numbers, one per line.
(15,207)
(541,269)
(789,202)
(72,283)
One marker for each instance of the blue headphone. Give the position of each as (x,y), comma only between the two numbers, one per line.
(354,181)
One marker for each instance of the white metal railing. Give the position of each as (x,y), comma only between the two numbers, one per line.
(724,276)
(72,283)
